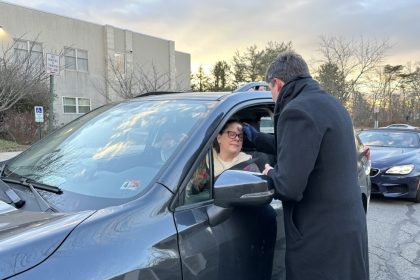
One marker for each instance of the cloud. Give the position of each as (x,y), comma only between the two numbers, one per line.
(213,30)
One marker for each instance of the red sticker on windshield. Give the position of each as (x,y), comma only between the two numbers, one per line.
(130,185)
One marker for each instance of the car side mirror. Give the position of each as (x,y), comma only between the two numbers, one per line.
(241,188)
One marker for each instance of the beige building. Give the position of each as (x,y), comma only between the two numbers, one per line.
(90,55)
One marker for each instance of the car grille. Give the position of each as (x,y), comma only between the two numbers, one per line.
(397,189)
(374,172)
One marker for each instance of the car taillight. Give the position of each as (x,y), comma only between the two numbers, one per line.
(366,152)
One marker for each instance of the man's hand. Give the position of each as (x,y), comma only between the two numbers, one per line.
(267,168)
(250,132)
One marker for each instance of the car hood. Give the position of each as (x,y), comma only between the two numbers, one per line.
(385,155)
(28,238)
(378,153)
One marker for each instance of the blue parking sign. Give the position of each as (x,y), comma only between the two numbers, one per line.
(39,114)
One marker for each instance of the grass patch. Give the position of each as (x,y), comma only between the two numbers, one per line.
(9,146)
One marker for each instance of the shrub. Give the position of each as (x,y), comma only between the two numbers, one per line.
(20,127)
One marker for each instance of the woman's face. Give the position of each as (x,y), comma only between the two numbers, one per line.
(230,141)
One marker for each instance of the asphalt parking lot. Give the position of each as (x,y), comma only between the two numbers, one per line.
(394,239)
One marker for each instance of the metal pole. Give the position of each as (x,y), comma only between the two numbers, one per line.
(40,131)
(50,105)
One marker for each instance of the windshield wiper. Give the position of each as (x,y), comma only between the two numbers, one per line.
(11,195)
(3,166)
(25,181)
(31,184)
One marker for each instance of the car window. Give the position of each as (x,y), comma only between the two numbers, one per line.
(266,124)
(260,117)
(199,186)
(394,139)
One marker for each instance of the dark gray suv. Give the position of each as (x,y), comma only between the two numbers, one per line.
(108,196)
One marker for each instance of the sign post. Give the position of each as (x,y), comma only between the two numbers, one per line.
(53,68)
(39,118)
(376,111)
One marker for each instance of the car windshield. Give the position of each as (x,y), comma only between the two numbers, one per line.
(394,139)
(112,152)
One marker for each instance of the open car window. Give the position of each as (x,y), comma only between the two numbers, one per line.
(261,117)
(199,186)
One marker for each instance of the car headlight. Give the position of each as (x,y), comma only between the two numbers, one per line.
(401,169)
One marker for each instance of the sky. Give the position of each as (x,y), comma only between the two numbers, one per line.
(213,30)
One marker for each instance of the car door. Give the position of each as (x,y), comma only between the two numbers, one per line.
(218,243)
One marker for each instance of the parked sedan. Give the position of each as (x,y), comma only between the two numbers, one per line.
(112,195)
(395,155)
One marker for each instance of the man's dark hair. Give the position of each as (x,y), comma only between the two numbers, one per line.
(287,66)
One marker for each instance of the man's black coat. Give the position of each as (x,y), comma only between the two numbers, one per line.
(315,176)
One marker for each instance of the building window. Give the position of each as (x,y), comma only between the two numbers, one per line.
(83,105)
(76,105)
(28,50)
(75,59)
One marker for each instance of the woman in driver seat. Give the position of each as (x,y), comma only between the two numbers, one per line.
(227,150)
(226,155)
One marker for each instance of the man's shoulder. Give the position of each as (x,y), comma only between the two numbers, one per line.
(320,106)
(315,100)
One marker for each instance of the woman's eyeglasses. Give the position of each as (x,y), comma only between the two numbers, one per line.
(233,134)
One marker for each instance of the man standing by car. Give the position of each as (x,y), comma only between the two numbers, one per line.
(315,176)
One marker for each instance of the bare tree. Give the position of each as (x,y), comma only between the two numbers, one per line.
(21,75)
(392,84)
(396,91)
(128,83)
(410,88)
(361,113)
(355,59)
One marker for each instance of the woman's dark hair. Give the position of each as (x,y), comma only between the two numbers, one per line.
(230,121)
